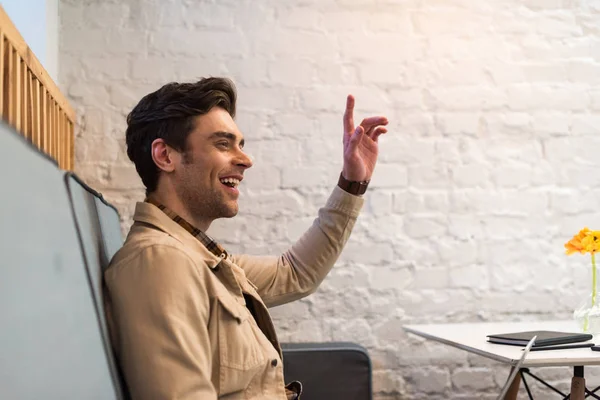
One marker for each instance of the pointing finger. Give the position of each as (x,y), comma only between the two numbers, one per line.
(349,115)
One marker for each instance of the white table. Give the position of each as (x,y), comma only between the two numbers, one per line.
(471,337)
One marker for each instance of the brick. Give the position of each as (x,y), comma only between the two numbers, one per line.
(429,177)
(379,203)
(459,123)
(169,41)
(95,15)
(595,95)
(512,176)
(465,226)
(423,202)
(381,73)
(580,150)
(431,278)
(387,381)
(432,23)
(297,72)
(406,150)
(252,72)
(303,18)
(124,177)
(354,46)
(204,15)
(585,124)
(308,176)
(390,277)
(274,204)
(420,227)
(429,380)
(263,177)
(468,98)
(265,98)
(551,123)
(458,253)
(472,175)
(470,277)
(389,176)
(398,22)
(284,42)
(559,25)
(511,123)
(530,97)
(477,379)
(153,68)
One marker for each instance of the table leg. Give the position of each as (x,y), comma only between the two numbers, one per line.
(578,384)
(513,390)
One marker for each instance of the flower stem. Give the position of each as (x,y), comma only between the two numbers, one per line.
(593,279)
(585,324)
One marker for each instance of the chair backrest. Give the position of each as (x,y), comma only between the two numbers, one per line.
(51,345)
(329,371)
(110,228)
(98,228)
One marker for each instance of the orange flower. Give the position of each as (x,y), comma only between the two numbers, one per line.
(591,243)
(576,244)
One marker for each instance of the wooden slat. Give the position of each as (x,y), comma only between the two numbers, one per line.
(53,129)
(2,75)
(24,100)
(6,60)
(71,145)
(44,117)
(33,63)
(56,133)
(61,140)
(10,110)
(36,105)
(50,127)
(18,93)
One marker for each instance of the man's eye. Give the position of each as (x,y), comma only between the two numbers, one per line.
(223,145)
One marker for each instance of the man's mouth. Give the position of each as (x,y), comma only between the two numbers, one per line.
(231,182)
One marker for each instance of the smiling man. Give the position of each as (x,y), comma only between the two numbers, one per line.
(189,320)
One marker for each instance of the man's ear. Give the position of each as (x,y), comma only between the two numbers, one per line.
(164,156)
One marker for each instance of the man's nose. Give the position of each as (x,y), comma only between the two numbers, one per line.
(244,160)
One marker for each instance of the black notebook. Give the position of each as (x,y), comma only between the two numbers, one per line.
(544,338)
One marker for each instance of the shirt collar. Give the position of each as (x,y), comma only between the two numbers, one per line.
(208,242)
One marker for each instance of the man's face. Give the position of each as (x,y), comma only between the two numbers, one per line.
(212,167)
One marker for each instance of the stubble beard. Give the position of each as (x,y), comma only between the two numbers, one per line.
(203,204)
(207,203)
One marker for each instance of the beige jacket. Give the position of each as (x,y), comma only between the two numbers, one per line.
(177,314)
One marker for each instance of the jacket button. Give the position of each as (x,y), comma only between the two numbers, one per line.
(274,362)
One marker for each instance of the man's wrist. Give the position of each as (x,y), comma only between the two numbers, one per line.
(356,188)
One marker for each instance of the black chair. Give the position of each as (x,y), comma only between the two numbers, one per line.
(329,371)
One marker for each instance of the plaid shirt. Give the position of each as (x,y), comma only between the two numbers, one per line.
(206,240)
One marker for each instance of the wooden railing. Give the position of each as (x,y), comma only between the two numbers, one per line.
(31,102)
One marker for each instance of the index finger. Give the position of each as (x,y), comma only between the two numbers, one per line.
(371,121)
(349,115)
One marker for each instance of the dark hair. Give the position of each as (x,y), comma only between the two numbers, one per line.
(168,113)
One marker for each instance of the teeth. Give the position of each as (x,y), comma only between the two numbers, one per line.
(232,181)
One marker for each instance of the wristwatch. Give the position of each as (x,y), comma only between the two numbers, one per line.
(353,187)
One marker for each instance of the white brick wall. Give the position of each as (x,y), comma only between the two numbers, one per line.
(489,166)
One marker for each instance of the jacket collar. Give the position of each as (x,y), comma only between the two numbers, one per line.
(150,214)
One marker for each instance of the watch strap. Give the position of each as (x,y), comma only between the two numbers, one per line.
(353,187)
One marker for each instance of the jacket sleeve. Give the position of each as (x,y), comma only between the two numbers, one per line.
(299,271)
(159,327)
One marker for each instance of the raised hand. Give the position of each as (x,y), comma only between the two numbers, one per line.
(361,144)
